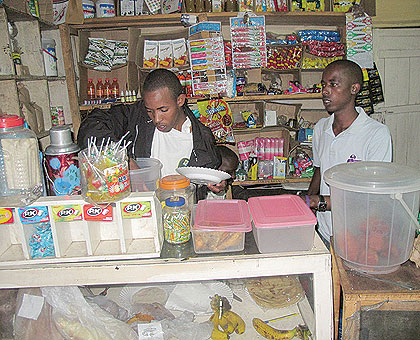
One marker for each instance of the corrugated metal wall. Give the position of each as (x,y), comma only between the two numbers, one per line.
(397,56)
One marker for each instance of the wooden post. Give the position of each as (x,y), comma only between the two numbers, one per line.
(70,76)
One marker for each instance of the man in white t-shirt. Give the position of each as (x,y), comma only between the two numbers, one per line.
(348,135)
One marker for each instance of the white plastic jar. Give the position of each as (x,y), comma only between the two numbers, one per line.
(20,170)
(105,8)
(88,9)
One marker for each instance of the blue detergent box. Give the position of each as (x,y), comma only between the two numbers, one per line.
(305,135)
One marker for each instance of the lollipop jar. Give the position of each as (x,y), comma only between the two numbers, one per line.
(20,169)
(104,176)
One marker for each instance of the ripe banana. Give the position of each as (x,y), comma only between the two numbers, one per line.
(218,334)
(271,333)
(226,325)
(237,322)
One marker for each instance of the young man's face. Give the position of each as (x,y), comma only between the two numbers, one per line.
(164,110)
(338,93)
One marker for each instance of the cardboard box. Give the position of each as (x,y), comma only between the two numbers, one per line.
(291,111)
(175,34)
(257,108)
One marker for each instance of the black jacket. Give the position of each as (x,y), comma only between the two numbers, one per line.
(115,122)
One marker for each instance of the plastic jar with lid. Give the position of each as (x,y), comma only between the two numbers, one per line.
(20,170)
(105,8)
(176,220)
(176,185)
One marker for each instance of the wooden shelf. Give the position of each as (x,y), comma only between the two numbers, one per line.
(273,181)
(298,96)
(162,20)
(29,78)
(16,15)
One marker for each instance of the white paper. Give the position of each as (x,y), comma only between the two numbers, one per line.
(31,306)
(150,331)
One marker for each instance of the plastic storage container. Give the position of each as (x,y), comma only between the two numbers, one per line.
(374,210)
(147,177)
(220,226)
(176,185)
(282,223)
(20,170)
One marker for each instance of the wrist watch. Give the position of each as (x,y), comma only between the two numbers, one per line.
(322,205)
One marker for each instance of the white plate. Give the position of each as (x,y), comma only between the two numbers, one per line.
(127,293)
(195,297)
(203,175)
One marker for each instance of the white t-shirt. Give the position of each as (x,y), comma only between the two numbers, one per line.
(364,140)
(173,148)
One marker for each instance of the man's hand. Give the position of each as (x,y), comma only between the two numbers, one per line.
(313,201)
(219,187)
(132,164)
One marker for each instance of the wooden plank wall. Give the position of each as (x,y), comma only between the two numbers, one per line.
(397,56)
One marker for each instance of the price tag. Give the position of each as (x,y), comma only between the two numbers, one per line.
(94,213)
(6,216)
(66,213)
(31,215)
(136,209)
(150,331)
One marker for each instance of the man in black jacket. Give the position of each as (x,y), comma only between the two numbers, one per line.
(160,126)
(162,110)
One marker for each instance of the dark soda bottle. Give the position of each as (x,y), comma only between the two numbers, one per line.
(90,88)
(115,87)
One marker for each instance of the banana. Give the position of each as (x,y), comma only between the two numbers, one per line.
(227,326)
(218,334)
(271,333)
(236,320)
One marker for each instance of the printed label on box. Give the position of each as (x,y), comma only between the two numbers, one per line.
(94,213)
(150,54)
(279,170)
(33,215)
(136,209)
(6,216)
(66,213)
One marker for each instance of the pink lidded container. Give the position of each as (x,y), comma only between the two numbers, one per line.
(282,223)
(220,226)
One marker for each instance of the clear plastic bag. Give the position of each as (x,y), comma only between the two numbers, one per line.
(111,307)
(42,328)
(76,319)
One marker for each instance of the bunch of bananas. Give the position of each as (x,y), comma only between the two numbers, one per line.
(224,320)
(268,332)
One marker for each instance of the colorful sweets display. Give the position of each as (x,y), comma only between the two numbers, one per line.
(105,176)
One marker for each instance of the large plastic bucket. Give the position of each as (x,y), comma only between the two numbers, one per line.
(374,207)
(147,177)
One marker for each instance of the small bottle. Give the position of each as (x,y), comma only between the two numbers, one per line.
(107,89)
(122,97)
(127,96)
(133,96)
(90,88)
(99,89)
(115,87)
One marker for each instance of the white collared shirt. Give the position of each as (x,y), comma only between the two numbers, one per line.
(364,140)
(173,148)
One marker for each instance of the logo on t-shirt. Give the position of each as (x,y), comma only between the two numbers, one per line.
(353,158)
(183,162)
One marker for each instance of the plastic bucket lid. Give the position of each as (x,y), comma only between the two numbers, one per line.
(222,215)
(373,177)
(174,182)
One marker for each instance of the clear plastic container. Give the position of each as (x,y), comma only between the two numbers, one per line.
(147,177)
(282,223)
(20,170)
(176,220)
(176,185)
(220,226)
(374,213)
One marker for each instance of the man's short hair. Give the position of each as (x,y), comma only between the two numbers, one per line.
(351,69)
(162,78)
(229,157)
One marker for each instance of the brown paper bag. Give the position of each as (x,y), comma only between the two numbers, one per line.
(74,14)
